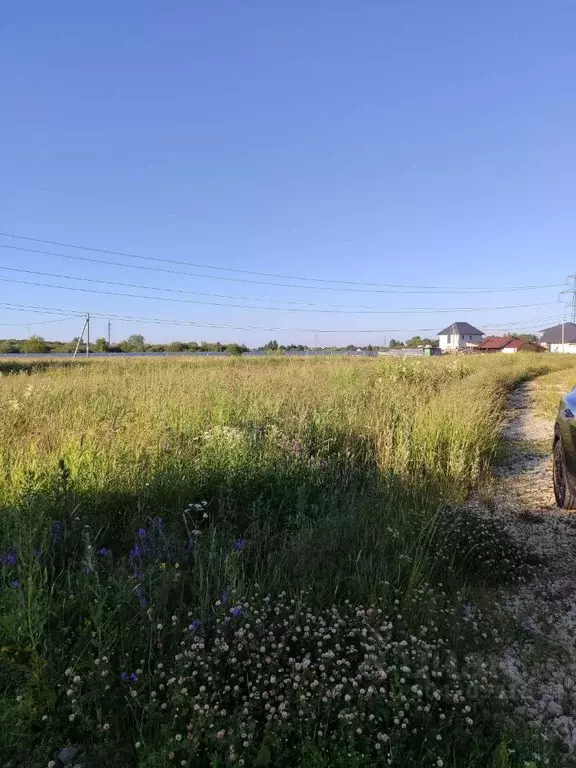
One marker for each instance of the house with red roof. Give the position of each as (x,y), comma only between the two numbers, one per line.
(508,345)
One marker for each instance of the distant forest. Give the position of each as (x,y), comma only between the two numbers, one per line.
(137,343)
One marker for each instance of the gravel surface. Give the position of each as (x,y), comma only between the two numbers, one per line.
(541,664)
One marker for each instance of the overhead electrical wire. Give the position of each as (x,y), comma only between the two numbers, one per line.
(9,306)
(374,287)
(405,310)
(412,311)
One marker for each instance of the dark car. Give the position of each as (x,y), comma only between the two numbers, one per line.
(564,472)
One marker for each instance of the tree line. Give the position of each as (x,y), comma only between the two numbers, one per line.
(137,343)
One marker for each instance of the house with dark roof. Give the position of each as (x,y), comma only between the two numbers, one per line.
(508,345)
(560,338)
(459,336)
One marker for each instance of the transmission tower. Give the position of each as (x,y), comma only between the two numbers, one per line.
(572,292)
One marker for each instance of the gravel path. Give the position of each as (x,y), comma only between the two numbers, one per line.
(541,664)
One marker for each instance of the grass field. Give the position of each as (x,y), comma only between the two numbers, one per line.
(252,562)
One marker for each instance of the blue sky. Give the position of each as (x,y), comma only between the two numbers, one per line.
(382,142)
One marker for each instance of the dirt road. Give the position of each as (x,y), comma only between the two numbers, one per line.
(541,664)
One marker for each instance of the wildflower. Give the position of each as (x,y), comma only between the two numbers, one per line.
(157,524)
(178,737)
(224,596)
(72,717)
(106,727)
(142,596)
(56,531)
(142,532)
(104,552)
(236,612)
(133,677)
(240,545)
(136,552)
(124,677)
(15,584)
(195,625)
(137,745)
(159,627)
(9,558)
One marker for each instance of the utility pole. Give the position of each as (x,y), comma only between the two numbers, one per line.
(87,335)
(109,342)
(86,324)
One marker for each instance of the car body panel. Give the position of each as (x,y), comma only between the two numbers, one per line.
(565,430)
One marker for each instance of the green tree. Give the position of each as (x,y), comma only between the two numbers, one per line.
(101,345)
(34,345)
(134,343)
(236,350)
(9,346)
(271,346)
(394,344)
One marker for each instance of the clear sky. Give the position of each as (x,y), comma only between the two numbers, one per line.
(412,143)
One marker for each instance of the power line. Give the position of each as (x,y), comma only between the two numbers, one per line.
(343,308)
(195,265)
(190,323)
(408,311)
(39,322)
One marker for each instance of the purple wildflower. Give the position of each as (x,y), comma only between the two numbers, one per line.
(240,545)
(157,524)
(142,597)
(224,596)
(195,625)
(237,611)
(9,558)
(104,552)
(15,584)
(134,677)
(124,677)
(142,532)
(135,552)
(88,569)
(56,531)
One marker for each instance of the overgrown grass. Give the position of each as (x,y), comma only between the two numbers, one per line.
(250,561)
(552,386)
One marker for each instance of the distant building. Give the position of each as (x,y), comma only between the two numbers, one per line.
(459,336)
(560,338)
(426,351)
(508,345)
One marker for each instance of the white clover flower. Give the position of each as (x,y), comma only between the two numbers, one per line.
(72,717)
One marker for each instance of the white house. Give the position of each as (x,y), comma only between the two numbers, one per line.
(560,338)
(459,336)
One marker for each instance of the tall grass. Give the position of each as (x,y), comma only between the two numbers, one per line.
(139,497)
